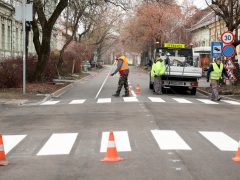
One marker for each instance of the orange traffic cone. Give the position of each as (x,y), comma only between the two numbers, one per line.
(237,157)
(3,161)
(138,89)
(112,154)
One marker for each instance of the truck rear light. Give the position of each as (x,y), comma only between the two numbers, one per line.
(194,84)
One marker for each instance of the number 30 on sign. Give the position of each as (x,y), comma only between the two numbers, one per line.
(227,37)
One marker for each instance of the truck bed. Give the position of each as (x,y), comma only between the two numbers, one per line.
(181,72)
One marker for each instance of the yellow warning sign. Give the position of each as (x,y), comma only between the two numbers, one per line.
(170,45)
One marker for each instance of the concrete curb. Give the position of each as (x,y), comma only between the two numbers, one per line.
(208,94)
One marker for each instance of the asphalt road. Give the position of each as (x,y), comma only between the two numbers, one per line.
(175,136)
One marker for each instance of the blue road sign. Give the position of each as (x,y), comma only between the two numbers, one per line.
(228,51)
(216,49)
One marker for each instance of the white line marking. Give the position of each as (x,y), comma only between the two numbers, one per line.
(50,102)
(121,140)
(10,141)
(156,99)
(80,101)
(58,144)
(207,101)
(133,93)
(222,141)
(130,99)
(231,102)
(104,100)
(169,140)
(181,100)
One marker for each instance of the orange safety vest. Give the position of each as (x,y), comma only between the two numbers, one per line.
(125,63)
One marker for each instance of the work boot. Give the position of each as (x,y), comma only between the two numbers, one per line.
(116,95)
(219,98)
(125,95)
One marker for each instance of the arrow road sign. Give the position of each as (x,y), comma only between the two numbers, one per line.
(228,51)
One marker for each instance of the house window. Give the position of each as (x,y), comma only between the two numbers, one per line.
(3,37)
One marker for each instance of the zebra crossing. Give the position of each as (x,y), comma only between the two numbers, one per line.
(62,143)
(140,99)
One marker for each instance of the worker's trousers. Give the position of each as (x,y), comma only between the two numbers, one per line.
(123,81)
(158,84)
(215,89)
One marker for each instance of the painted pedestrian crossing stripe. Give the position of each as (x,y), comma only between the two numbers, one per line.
(169,140)
(63,143)
(145,99)
(58,144)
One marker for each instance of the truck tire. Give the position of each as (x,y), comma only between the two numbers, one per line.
(150,85)
(193,91)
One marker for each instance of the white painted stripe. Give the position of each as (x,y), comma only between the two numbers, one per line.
(80,101)
(169,140)
(104,100)
(133,93)
(156,99)
(50,102)
(181,100)
(130,99)
(10,141)
(111,144)
(121,140)
(207,101)
(58,144)
(222,141)
(231,102)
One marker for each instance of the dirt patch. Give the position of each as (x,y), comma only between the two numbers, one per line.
(32,91)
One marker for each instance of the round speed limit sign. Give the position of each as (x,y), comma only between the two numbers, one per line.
(227,37)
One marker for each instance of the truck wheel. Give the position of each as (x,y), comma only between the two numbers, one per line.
(193,91)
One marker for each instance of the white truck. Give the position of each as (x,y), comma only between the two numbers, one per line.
(180,69)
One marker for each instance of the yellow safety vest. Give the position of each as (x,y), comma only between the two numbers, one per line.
(125,63)
(216,74)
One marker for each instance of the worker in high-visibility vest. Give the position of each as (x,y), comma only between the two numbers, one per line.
(158,69)
(215,72)
(122,68)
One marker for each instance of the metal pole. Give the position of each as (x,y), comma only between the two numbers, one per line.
(24,47)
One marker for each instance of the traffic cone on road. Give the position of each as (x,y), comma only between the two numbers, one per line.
(237,157)
(112,154)
(3,161)
(138,89)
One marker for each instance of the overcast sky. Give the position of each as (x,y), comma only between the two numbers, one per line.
(199,3)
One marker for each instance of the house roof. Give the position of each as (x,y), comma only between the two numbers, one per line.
(206,20)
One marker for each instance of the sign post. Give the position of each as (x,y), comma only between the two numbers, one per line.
(24,13)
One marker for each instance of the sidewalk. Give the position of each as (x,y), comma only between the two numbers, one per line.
(16,99)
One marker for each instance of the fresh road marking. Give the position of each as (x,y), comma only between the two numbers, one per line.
(80,101)
(169,140)
(10,141)
(130,99)
(207,101)
(104,100)
(220,140)
(50,102)
(58,144)
(156,99)
(231,102)
(181,100)
(121,140)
